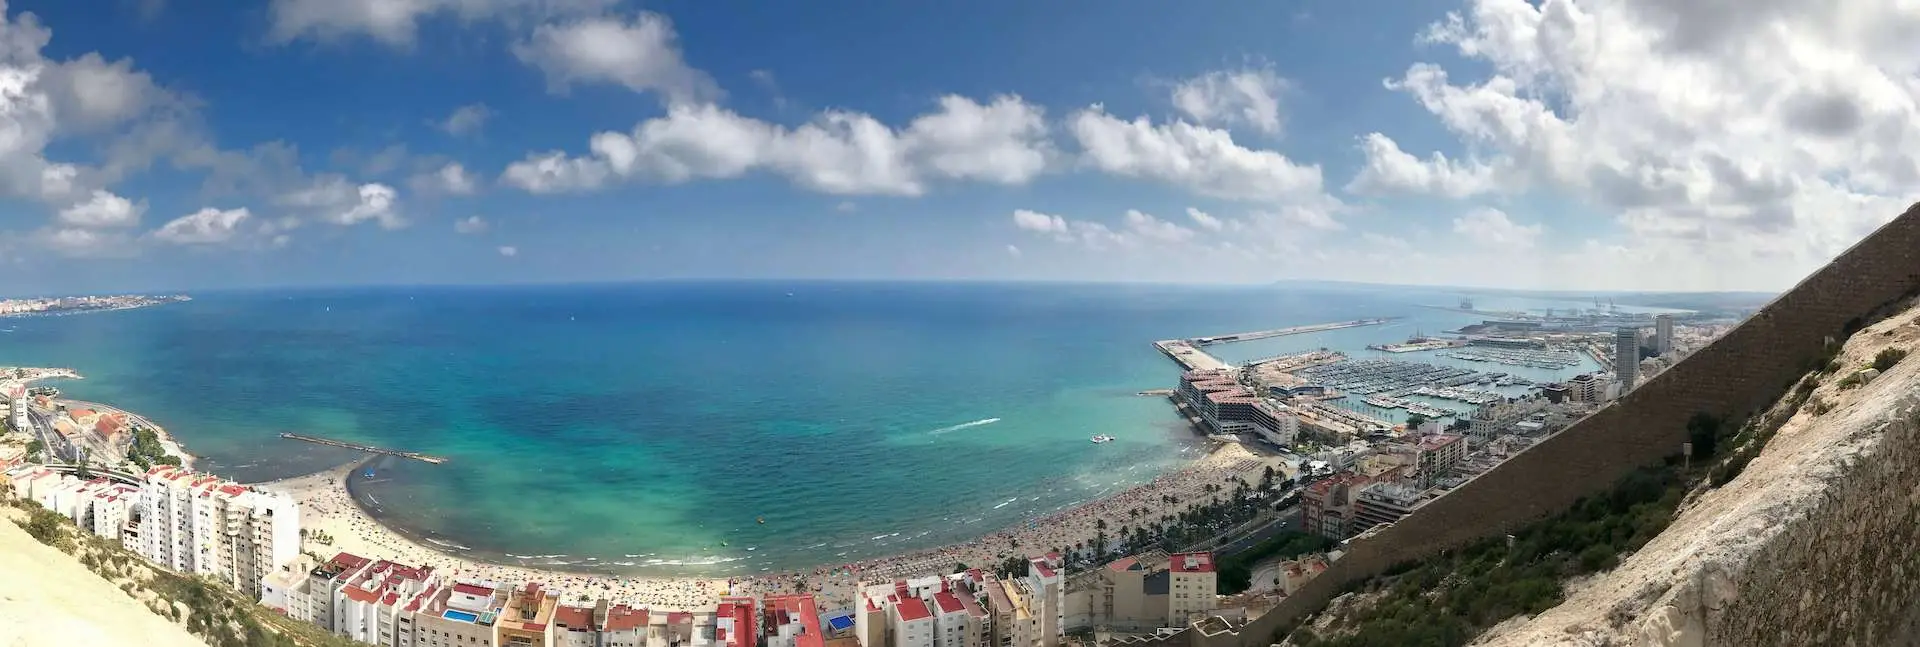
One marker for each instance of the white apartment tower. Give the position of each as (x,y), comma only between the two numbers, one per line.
(199,524)
(1663,334)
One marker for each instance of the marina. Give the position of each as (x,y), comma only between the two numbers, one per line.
(1544,358)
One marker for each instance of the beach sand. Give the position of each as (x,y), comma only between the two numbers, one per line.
(327,508)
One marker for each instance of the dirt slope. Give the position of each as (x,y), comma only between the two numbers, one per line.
(47,599)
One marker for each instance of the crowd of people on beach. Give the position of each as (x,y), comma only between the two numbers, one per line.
(328,507)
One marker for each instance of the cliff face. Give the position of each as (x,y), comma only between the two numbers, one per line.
(1812,544)
(47,599)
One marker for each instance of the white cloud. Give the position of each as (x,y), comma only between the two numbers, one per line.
(1204,220)
(465,120)
(642,54)
(1248,96)
(332,199)
(1734,148)
(395,22)
(1493,228)
(1039,222)
(841,153)
(204,227)
(1200,159)
(74,242)
(103,209)
(508,251)
(554,172)
(1013,250)
(1136,229)
(1390,170)
(90,94)
(451,179)
(471,225)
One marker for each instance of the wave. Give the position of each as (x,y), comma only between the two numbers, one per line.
(1004,503)
(964,425)
(447,544)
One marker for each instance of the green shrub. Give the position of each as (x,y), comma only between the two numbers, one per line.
(1887,357)
(1850,382)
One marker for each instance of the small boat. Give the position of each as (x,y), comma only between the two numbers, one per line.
(1102,438)
(762,520)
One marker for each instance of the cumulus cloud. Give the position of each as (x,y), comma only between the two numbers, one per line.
(1736,149)
(1201,159)
(1248,97)
(396,22)
(1136,228)
(103,210)
(1493,228)
(1204,220)
(508,251)
(471,225)
(450,179)
(204,227)
(331,198)
(641,54)
(465,120)
(1389,170)
(842,153)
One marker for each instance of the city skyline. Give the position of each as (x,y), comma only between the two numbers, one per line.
(501,141)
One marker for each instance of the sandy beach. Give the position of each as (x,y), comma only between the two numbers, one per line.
(326,507)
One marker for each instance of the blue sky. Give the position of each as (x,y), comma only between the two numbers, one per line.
(163,144)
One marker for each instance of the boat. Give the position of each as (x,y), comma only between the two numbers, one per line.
(1102,438)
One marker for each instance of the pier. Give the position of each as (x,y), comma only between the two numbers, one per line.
(1282,332)
(365,448)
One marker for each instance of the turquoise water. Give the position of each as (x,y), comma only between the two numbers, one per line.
(653,423)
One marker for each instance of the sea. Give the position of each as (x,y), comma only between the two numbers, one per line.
(709,427)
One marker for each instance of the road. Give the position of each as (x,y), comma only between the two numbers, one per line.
(43,429)
(1289,519)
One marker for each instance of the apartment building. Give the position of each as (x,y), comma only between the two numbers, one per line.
(202,525)
(1326,507)
(526,620)
(1438,454)
(370,604)
(1382,503)
(792,621)
(603,625)
(311,598)
(1192,587)
(460,614)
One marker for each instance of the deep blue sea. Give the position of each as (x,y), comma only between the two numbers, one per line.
(657,423)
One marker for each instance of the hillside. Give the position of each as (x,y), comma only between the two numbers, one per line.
(65,587)
(1810,544)
(51,600)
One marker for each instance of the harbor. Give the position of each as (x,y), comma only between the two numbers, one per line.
(1188,354)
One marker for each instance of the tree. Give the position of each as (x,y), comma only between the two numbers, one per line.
(1415,420)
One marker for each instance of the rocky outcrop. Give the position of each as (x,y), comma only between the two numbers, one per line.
(1814,543)
(47,599)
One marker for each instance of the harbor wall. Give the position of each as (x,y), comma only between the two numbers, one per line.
(1737,374)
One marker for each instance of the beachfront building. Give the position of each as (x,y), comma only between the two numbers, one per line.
(604,625)
(199,524)
(526,620)
(1192,587)
(1224,406)
(458,615)
(311,598)
(370,604)
(791,621)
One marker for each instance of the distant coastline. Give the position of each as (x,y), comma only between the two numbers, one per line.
(64,306)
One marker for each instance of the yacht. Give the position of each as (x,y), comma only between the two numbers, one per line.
(1102,438)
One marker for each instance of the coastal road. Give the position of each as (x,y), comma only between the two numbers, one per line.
(44,430)
(1288,519)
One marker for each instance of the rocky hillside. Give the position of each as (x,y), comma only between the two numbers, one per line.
(1812,543)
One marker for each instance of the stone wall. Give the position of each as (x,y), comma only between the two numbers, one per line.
(1740,373)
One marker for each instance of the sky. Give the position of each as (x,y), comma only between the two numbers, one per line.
(1563,144)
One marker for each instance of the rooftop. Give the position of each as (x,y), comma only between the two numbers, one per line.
(1191,563)
(911,609)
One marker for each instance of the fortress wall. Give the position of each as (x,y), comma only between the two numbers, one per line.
(1740,373)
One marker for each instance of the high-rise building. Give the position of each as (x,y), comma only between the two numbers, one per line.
(198,524)
(1663,334)
(1626,357)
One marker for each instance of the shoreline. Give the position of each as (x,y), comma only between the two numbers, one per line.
(328,505)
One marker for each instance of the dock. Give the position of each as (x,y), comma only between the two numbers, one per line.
(364,448)
(1282,332)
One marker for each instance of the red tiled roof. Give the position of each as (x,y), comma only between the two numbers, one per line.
(1192,563)
(77,414)
(1041,565)
(358,594)
(1122,564)
(911,609)
(948,603)
(624,618)
(1437,441)
(233,489)
(802,605)
(472,589)
(349,560)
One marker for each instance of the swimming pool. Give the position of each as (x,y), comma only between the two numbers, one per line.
(459,615)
